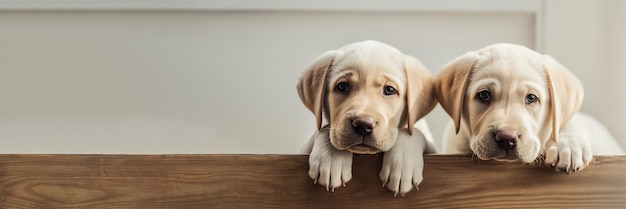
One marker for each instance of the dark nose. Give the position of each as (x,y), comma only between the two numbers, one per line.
(363,126)
(506,140)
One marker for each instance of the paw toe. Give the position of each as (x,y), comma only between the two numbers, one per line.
(552,154)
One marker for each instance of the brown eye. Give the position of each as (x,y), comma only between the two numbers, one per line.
(343,87)
(531,98)
(484,96)
(389,90)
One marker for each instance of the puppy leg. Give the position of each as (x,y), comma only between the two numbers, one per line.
(403,164)
(327,165)
(573,151)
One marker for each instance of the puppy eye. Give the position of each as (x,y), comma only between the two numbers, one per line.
(343,87)
(389,90)
(531,98)
(484,96)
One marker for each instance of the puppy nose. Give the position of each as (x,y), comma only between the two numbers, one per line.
(363,126)
(506,140)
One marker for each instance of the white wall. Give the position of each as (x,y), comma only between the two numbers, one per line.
(616,70)
(589,37)
(223,80)
(198,81)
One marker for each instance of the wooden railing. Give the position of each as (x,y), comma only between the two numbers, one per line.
(281,181)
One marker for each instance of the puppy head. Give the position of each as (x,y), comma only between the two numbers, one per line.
(510,99)
(367,91)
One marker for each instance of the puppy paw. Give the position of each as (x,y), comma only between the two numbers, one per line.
(570,154)
(403,164)
(328,166)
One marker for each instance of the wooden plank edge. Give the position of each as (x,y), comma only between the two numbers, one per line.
(281,181)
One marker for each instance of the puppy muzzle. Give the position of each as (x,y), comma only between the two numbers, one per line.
(501,145)
(364,127)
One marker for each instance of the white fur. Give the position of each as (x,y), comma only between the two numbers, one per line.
(368,67)
(510,73)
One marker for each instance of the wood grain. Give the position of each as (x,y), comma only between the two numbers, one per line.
(281,181)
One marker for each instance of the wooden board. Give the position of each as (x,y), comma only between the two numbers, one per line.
(281,181)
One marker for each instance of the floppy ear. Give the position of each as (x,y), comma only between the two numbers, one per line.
(451,84)
(566,94)
(420,98)
(312,84)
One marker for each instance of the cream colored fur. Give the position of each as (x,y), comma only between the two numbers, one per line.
(531,111)
(387,91)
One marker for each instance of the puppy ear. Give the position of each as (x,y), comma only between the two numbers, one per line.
(420,97)
(312,84)
(451,84)
(566,94)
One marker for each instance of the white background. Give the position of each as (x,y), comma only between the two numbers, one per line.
(219,76)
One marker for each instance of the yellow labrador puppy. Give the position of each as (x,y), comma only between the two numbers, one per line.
(511,103)
(367,98)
